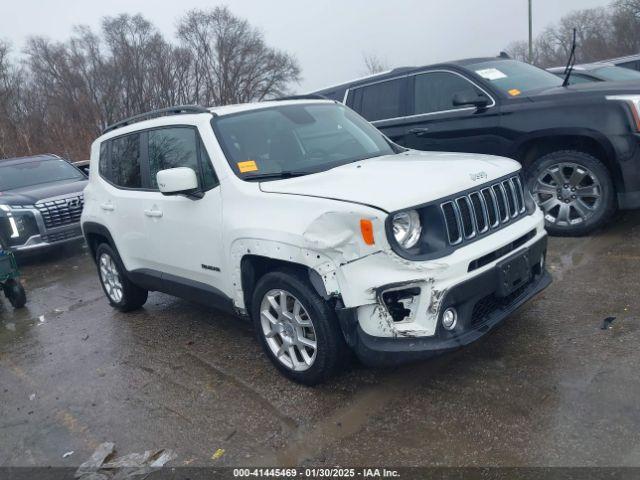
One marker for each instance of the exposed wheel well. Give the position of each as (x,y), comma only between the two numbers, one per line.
(533,149)
(94,240)
(253,267)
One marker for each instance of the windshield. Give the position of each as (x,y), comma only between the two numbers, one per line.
(36,172)
(617,74)
(296,140)
(515,78)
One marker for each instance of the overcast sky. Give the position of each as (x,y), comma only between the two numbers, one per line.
(328,37)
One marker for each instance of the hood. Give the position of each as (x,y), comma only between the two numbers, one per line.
(589,89)
(32,194)
(395,182)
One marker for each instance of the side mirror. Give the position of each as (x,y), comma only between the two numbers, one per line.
(181,180)
(469,99)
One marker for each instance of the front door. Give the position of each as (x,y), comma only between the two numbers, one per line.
(185,233)
(434,123)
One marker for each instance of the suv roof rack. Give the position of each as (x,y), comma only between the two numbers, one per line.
(308,96)
(177,110)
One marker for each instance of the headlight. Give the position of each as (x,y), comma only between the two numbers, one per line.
(406,228)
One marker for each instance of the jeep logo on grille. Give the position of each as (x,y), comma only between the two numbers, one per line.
(73,202)
(478,176)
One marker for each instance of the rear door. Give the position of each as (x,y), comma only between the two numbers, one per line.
(384,103)
(120,195)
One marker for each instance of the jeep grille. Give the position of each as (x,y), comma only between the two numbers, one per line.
(482,210)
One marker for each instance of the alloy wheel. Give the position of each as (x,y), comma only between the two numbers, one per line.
(110,278)
(288,330)
(568,193)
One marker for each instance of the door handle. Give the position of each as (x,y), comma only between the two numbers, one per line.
(419,132)
(107,207)
(153,213)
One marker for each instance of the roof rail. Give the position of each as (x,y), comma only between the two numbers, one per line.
(309,96)
(177,110)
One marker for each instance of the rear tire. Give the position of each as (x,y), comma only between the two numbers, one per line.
(574,190)
(14,291)
(305,342)
(120,291)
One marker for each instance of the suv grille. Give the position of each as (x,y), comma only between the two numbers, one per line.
(61,211)
(484,209)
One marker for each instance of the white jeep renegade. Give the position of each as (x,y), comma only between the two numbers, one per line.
(301,215)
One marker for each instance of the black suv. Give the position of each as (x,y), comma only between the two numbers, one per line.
(41,200)
(580,144)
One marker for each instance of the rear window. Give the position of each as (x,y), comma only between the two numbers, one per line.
(36,172)
(125,161)
(380,101)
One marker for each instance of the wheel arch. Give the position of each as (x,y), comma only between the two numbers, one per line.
(95,234)
(535,146)
(254,266)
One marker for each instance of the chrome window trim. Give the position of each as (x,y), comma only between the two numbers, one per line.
(417,116)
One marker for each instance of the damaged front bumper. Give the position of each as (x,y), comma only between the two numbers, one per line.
(481,303)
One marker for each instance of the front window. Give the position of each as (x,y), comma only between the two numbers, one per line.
(291,140)
(36,172)
(514,78)
(617,74)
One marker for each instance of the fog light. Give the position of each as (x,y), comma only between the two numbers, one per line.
(449,318)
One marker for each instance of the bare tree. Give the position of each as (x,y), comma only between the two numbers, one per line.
(601,33)
(374,64)
(64,93)
(230,61)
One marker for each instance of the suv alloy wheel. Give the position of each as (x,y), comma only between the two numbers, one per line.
(574,190)
(297,328)
(121,293)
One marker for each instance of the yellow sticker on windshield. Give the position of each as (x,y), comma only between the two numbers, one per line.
(247,166)
(514,92)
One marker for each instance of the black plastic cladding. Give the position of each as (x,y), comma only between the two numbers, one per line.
(435,235)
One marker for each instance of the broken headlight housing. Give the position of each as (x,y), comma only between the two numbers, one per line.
(407,228)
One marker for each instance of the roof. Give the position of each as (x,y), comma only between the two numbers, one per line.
(585,67)
(628,58)
(407,70)
(148,120)
(32,158)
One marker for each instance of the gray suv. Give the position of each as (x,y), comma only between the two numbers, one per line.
(41,201)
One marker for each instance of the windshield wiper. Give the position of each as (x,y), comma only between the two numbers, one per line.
(572,60)
(276,175)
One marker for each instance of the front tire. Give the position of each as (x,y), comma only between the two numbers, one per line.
(574,191)
(120,291)
(297,328)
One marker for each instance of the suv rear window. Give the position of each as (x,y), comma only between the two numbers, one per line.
(125,161)
(380,101)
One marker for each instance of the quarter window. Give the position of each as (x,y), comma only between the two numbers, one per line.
(172,148)
(433,92)
(380,100)
(125,162)
(103,163)
(209,177)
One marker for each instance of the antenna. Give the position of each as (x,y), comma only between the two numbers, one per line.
(572,60)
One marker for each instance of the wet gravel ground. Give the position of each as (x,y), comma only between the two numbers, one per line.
(550,387)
